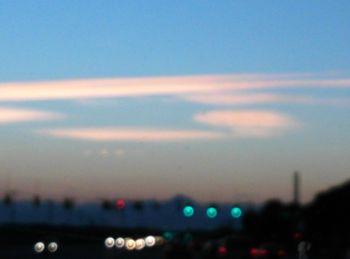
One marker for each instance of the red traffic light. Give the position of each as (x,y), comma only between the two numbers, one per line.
(120,204)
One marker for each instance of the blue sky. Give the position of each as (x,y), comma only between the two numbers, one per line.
(217,100)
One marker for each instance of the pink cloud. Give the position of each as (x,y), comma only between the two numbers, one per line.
(249,123)
(125,134)
(150,86)
(14,115)
(256,98)
(106,88)
(239,98)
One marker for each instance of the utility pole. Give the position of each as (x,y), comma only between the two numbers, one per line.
(296,188)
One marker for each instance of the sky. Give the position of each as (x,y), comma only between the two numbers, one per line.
(216,100)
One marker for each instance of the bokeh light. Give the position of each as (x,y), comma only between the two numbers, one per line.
(119,242)
(222,251)
(140,244)
(188,237)
(236,212)
(160,240)
(150,241)
(130,244)
(168,235)
(109,242)
(120,204)
(39,247)
(188,211)
(52,247)
(212,212)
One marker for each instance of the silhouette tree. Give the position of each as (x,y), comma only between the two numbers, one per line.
(276,221)
(106,204)
(327,220)
(8,201)
(251,223)
(138,206)
(69,204)
(36,202)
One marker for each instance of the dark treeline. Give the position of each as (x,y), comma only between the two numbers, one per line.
(325,222)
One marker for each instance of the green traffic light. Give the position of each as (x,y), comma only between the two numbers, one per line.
(212,212)
(236,212)
(168,235)
(188,211)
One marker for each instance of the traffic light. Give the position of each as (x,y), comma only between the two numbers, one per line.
(168,235)
(212,212)
(120,204)
(236,212)
(188,211)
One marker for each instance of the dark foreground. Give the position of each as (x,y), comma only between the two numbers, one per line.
(93,252)
(77,252)
(89,243)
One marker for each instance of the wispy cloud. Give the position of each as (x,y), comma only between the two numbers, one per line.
(119,152)
(15,115)
(239,89)
(263,98)
(130,134)
(105,152)
(249,123)
(152,86)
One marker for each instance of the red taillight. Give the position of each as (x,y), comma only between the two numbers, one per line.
(281,253)
(254,252)
(222,250)
(297,236)
(258,252)
(263,252)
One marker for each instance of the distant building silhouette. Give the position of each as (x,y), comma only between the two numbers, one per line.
(296,188)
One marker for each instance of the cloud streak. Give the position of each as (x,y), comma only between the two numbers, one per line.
(249,123)
(155,86)
(218,90)
(264,98)
(130,134)
(16,115)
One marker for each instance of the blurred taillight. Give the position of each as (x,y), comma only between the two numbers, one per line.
(222,251)
(297,235)
(263,252)
(281,253)
(254,252)
(258,252)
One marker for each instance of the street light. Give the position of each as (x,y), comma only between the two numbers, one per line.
(39,247)
(212,212)
(52,247)
(109,242)
(236,212)
(188,211)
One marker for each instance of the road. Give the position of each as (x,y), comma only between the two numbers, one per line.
(77,252)
(85,252)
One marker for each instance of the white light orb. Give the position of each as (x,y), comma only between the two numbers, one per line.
(39,247)
(150,241)
(160,240)
(119,242)
(130,244)
(52,247)
(109,242)
(140,244)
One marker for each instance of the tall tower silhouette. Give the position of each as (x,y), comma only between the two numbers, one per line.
(296,188)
